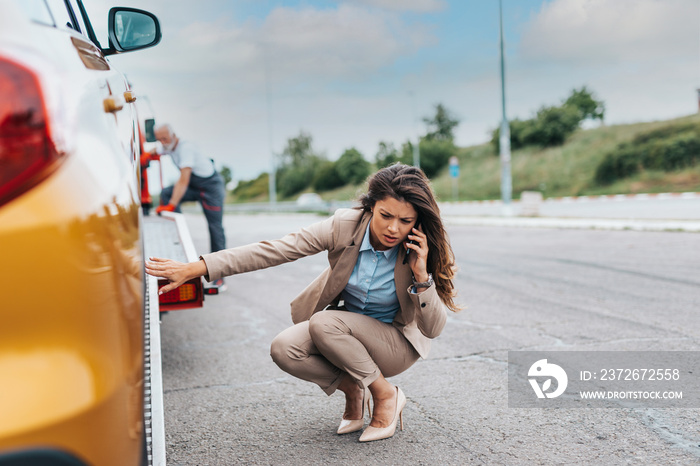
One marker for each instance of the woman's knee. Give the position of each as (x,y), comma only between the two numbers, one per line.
(316,324)
(290,346)
(278,350)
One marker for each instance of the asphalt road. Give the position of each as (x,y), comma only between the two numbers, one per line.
(523,289)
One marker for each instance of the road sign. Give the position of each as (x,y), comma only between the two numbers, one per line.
(454,167)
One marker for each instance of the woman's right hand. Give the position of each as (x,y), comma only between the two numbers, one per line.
(175,272)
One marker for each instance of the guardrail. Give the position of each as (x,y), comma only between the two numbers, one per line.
(288,206)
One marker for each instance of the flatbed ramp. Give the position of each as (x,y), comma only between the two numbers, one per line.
(165,236)
(153,399)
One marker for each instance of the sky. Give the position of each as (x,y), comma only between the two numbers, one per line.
(240,78)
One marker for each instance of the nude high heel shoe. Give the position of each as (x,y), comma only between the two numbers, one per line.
(378,433)
(353,425)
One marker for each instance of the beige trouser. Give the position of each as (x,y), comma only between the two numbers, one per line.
(334,342)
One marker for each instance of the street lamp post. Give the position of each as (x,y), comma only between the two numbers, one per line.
(504,140)
(272,181)
(416,149)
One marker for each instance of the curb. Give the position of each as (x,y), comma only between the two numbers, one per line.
(625,197)
(577,223)
(601,198)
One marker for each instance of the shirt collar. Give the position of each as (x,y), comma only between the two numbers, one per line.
(389,254)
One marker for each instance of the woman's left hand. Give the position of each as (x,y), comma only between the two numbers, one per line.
(175,272)
(418,258)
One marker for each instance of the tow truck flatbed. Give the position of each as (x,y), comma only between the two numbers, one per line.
(167,236)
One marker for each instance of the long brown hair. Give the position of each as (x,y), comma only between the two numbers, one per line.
(409,184)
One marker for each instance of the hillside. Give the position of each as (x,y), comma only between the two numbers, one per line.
(566,170)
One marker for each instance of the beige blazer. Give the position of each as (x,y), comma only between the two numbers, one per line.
(421,316)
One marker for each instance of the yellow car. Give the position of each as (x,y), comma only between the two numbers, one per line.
(71,280)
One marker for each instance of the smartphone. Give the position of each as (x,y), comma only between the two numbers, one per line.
(408,250)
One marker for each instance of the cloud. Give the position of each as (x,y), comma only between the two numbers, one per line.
(208,78)
(350,41)
(421,6)
(603,31)
(330,69)
(296,45)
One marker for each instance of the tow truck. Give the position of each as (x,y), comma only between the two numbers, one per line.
(165,235)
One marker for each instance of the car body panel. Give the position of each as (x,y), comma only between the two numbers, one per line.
(71,312)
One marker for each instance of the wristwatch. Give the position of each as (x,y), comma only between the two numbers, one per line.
(427,284)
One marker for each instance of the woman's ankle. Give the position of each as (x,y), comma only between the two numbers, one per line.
(348,386)
(382,389)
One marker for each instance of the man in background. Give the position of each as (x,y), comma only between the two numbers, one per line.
(199,181)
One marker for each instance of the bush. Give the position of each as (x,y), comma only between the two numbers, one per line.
(386,155)
(292,180)
(620,164)
(435,154)
(663,133)
(326,177)
(606,172)
(252,188)
(552,126)
(681,151)
(667,149)
(406,156)
(352,167)
(517,129)
(583,102)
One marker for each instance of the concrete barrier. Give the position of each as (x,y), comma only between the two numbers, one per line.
(530,202)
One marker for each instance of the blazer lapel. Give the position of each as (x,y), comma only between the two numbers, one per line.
(402,280)
(344,266)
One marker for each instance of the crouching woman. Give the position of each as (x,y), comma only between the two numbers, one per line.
(373,312)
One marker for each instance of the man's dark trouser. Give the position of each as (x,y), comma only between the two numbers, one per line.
(210,194)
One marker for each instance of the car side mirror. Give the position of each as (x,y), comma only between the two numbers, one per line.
(131,29)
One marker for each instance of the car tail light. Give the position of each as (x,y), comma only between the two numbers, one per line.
(185,296)
(27,154)
(184,292)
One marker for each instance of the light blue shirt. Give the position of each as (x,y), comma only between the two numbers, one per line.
(371,289)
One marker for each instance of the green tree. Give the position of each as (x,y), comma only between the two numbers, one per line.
(407,153)
(296,165)
(352,167)
(386,155)
(298,152)
(292,180)
(588,108)
(227,175)
(326,177)
(435,154)
(441,125)
(552,126)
